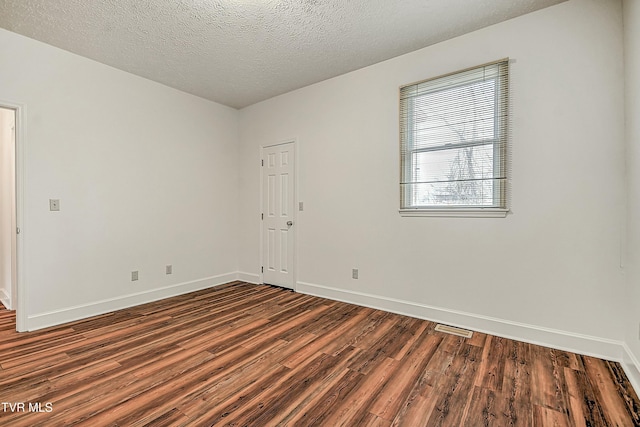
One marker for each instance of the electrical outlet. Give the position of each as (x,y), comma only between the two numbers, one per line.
(300,206)
(168,269)
(54,204)
(354,273)
(134,276)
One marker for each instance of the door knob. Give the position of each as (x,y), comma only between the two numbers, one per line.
(289,223)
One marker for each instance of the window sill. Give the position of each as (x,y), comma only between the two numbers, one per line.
(457,212)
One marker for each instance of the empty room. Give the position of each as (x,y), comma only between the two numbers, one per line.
(330,213)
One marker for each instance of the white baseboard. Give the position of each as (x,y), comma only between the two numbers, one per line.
(562,340)
(5,299)
(70,314)
(248,277)
(631,367)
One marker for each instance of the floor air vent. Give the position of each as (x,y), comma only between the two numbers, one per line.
(453,330)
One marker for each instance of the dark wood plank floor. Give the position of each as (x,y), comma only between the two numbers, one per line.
(248,355)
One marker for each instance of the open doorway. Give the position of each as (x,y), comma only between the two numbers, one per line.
(8,227)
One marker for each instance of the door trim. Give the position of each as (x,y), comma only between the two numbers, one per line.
(293,141)
(20,287)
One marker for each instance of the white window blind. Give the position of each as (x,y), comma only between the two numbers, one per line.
(453,140)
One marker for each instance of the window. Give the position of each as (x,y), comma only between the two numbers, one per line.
(453,143)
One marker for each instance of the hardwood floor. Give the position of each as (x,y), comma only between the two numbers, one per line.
(249,355)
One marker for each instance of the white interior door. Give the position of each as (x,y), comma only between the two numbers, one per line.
(278,203)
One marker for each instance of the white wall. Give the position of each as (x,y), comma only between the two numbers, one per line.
(7,206)
(551,269)
(632,110)
(146,176)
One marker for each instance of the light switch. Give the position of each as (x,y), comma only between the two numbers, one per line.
(54,204)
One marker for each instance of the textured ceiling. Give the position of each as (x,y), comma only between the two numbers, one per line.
(239,52)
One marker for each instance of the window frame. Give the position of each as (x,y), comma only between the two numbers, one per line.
(408,169)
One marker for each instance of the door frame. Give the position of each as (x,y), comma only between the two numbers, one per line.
(293,141)
(19,289)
